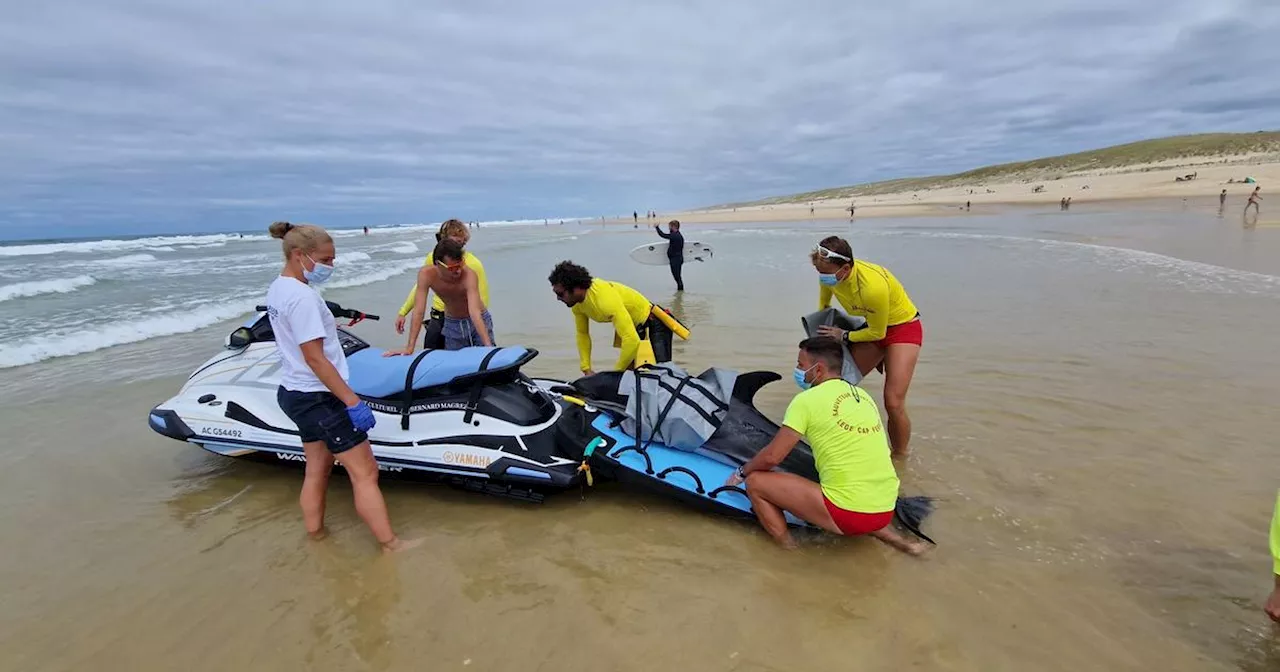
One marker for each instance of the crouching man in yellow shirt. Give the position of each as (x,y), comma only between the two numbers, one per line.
(858,485)
(611,302)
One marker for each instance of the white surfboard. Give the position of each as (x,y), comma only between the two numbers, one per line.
(655,253)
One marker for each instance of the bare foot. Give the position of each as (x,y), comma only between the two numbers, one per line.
(917,549)
(396,545)
(319,535)
(788,543)
(899,541)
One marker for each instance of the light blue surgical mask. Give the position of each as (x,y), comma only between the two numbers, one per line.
(319,274)
(828,279)
(799,376)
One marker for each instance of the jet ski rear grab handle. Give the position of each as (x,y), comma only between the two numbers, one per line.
(355,316)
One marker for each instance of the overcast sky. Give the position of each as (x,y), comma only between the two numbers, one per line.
(137,116)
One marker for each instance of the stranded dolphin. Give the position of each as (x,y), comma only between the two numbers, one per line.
(742,433)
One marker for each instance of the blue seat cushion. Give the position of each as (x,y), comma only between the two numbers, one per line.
(373,375)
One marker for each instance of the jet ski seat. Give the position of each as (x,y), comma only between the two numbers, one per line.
(378,377)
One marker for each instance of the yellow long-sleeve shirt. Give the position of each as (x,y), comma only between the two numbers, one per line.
(871,292)
(1275,536)
(611,302)
(436,302)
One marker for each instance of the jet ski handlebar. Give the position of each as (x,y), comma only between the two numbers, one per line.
(338,311)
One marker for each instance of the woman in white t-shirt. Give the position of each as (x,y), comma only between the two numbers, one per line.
(332,421)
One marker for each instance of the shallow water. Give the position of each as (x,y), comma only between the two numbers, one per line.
(1090,406)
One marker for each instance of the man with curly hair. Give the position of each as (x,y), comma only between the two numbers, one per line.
(600,300)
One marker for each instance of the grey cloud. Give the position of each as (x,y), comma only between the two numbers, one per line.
(144,115)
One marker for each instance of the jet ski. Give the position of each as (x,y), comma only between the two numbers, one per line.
(466,417)
(594,429)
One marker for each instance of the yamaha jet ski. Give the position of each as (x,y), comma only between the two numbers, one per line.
(466,417)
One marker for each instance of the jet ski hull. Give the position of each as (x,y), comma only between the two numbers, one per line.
(492,434)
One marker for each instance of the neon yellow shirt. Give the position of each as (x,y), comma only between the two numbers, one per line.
(1275,535)
(872,292)
(611,302)
(436,302)
(842,424)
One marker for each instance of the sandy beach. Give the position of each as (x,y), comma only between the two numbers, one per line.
(1150,181)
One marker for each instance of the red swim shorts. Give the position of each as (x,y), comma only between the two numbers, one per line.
(907,332)
(852,523)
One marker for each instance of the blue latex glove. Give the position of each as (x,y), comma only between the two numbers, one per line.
(361,416)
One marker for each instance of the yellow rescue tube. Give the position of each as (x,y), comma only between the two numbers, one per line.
(644,354)
(672,323)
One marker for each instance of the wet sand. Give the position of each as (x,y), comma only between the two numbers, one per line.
(1091,406)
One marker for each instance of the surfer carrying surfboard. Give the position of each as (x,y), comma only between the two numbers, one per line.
(675,251)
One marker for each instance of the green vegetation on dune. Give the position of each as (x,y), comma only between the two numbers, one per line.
(1117,158)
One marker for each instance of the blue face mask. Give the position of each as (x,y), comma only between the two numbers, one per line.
(828,279)
(799,376)
(319,274)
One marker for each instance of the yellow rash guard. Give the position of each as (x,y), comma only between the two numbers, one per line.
(1275,536)
(436,302)
(872,292)
(611,302)
(842,425)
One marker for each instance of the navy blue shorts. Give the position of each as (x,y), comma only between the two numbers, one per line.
(320,416)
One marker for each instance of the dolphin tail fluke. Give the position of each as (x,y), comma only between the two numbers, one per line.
(911,512)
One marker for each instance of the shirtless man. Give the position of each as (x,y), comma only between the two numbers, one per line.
(1254,198)
(466,319)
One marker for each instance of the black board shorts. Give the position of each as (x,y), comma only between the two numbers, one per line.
(320,416)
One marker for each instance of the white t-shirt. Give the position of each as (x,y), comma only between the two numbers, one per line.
(298,315)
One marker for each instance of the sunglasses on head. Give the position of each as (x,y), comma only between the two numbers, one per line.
(828,254)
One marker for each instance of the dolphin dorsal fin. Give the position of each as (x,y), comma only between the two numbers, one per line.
(745,388)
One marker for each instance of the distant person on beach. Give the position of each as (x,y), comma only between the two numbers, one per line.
(675,251)
(467,321)
(893,336)
(635,216)
(1273,602)
(857,488)
(596,300)
(433,338)
(332,421)
(1222,198)
(366,230)
(1254,200)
